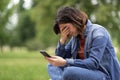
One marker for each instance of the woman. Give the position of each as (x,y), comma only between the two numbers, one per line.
(84,51)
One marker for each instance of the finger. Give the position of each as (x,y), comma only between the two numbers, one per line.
(50,59)
(47,58)
(64,28)
(66,31)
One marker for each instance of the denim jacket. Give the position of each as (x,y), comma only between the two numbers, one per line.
(98,51)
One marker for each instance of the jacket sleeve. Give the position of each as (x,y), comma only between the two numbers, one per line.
(64,50)
(96,52)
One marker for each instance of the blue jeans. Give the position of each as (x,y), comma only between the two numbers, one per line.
(74,73)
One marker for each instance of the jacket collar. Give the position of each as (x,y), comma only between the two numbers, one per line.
(88,27)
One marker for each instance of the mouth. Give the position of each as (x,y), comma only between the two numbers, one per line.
(70,35)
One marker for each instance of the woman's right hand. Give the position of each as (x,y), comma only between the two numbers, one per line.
(64,33)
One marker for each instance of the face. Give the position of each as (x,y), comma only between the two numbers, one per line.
(72,29)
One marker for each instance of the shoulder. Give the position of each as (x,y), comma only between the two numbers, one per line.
(99,31)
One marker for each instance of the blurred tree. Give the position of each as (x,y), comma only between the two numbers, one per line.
(35,26)
(43,13)
(25,29)
(104,12)
(108,15)
(4,15)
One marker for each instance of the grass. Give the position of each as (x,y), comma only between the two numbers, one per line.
(23,66)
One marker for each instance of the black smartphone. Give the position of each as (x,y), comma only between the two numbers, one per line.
(44,53)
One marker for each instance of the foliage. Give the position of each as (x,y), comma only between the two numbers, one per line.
(4,15)
(25,28)
(44,13)
(35,25)
(33,44)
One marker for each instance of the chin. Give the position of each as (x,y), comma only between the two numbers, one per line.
(70,35)
(75,35)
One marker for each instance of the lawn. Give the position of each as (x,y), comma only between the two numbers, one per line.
(23,66)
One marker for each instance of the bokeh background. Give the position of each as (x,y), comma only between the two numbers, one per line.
(26,26)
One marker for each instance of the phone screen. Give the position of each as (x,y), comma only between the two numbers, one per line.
(44,53)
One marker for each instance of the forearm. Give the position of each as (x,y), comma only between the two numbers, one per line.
(87,63)
(63,50)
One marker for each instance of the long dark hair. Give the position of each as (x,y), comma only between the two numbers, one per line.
(70,15)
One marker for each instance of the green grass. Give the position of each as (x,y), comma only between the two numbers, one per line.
(23,66)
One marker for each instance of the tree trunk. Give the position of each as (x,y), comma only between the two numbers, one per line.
(1,49)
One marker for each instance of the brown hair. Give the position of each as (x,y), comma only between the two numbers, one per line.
(70,15)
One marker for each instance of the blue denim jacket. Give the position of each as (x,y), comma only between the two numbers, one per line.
(98,51)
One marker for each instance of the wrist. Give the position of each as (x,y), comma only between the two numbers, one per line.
(62,41)
(64,63)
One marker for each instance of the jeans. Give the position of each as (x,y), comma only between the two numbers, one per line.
(74,73)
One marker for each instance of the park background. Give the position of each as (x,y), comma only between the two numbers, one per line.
(26,26)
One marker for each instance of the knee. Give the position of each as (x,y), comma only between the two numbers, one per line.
(68,73)
(53,69)
(50,67)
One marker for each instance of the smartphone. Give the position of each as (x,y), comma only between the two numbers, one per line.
(44,53)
